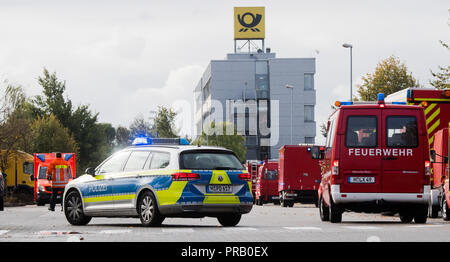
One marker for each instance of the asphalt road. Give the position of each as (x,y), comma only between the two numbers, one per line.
(268,223)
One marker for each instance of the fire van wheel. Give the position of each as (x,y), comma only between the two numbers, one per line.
(421,214)
(335,212)
(445,210)
(148,210)
(406,215)
(323,211)
(229,220)
(73,209)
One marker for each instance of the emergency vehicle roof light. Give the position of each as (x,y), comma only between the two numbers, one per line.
(339,103)
(380,98)
(399,103)
(446,93)
(41,157)
(67,156)
(143,140)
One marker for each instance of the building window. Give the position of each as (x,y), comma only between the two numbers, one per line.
(309,81)
(309,113)
(309,140)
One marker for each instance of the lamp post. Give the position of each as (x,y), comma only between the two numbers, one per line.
(351,47)
(292,103)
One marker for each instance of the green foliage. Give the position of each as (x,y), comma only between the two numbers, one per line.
(217,136)
(165,122)
(442,77)
(140,126)
(389,77)
(49,135)
(123,138)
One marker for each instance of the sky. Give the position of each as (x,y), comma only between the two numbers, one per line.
(124,58)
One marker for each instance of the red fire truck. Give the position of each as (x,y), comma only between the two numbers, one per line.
(299,176)
(267,183)
(376,159)
(436,104)
(252,168)
(42,186)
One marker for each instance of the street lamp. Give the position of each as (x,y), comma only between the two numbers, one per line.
(351,47)
(292,103)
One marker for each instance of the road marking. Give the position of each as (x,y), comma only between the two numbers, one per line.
(117,231)
(424,226)
(373,239)
(238,228)
(303,228)
(3,232)
(178,230)
(362,227)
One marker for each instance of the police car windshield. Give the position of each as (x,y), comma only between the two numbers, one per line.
(209,160)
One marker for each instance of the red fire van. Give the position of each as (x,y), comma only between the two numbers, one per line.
(376,159)
(267,183)
(42,186)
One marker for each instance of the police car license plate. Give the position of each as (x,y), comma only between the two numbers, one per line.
(361,180)
(219,189)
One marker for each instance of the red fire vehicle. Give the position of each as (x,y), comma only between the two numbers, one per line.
(299,177)
(42,186)
(439,162)
(376,159)
(436,104)
(267,183)
(252,168)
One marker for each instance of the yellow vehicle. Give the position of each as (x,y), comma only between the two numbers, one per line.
(18,169)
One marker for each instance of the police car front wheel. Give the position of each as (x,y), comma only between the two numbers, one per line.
(148,210)
(73,209)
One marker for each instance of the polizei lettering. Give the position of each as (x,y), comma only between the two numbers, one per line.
(98,188)
(380,152)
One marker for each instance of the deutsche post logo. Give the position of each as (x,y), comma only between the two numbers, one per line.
(249,23)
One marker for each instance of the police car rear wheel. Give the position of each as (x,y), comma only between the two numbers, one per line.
(229,220)
(73,209)
(148,211)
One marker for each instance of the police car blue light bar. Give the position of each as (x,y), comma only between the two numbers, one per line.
(140,141)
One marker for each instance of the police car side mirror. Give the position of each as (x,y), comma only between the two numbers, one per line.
(90,171)
(432,156)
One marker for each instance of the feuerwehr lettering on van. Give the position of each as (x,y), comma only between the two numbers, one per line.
(380,152)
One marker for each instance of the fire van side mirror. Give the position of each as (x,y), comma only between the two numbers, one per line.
(432,156)
(445,159)
(90,171)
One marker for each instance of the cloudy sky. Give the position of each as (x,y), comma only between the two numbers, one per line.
(124,58)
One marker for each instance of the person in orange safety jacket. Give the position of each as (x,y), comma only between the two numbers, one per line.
(58,173)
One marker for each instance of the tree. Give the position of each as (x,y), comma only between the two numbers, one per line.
(14,124)
(140,126)
(123,138)
(49,135)
(94,140)
(165,122)
(390,76)
(234,142)
(442,77)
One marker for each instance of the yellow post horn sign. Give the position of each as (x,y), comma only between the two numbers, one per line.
(249,22)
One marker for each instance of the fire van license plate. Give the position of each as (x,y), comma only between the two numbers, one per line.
(361,180)
(219,189)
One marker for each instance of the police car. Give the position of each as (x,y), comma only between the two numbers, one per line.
(156,178)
